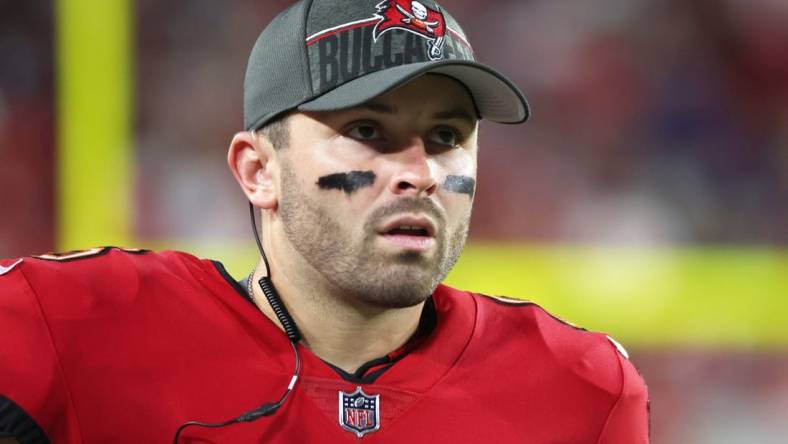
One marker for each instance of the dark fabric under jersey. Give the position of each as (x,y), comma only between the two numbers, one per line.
(16,423)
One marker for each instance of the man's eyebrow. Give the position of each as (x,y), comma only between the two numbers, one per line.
(380,108)
(456,113)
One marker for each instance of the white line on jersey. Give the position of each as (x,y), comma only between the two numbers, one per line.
(619,347)
(4,270)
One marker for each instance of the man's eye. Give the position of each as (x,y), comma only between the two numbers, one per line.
(445,136)
(364,131)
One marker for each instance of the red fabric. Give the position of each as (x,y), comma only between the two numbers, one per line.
(124,347)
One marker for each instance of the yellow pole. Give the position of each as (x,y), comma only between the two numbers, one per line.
(94,156)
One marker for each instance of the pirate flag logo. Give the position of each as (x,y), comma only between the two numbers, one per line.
(358,412)
(412,16)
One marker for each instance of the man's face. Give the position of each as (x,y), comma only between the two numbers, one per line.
(377,199)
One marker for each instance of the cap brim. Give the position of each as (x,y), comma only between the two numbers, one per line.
(495,96)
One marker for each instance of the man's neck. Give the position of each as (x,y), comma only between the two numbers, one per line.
(338,331)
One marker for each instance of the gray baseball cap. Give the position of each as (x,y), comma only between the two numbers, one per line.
(326,55)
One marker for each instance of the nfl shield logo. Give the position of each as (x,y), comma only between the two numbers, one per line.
(358,412)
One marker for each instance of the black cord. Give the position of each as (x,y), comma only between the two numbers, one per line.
(268,288)
(257,239)
(279,309)
(288,324)
(266,409)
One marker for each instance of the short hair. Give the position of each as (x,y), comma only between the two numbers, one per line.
(277,131)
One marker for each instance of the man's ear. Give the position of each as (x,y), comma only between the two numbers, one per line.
(252,160)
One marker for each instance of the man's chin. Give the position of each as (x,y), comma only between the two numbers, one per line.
(404,298)
(402,286)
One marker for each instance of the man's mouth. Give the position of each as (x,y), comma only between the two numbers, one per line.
(407,230)
(414,233)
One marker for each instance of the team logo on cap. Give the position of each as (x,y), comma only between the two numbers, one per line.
(358,412)
(412,16)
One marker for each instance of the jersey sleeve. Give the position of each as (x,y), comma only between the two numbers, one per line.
(32,386)
(628,420)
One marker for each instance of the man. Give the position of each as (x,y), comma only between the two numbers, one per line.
(360,153)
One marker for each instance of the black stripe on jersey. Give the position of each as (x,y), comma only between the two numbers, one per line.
(231,280)
(16,423)
(371,370)
(360,376)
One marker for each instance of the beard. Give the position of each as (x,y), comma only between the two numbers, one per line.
(352,263)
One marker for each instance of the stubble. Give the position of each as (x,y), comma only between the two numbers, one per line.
(350,261)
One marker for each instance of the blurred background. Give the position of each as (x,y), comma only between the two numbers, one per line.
(646,197)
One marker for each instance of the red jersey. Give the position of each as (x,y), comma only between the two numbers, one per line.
(123,347)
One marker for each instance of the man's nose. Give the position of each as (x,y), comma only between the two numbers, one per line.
(415,170)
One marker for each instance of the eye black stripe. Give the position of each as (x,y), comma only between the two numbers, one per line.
(460,184)
(349,182)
